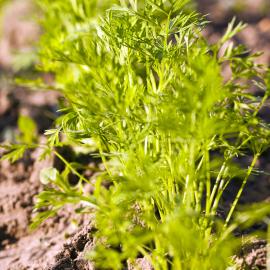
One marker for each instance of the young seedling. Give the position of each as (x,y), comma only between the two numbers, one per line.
(143,84)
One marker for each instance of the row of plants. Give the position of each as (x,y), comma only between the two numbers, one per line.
(144,92)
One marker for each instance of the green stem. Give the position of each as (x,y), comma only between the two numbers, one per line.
(265,97)
(186,189)
(235,202)
(70,166)
(208,182)
(218,196)
(216,185)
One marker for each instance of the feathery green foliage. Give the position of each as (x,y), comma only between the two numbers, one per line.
(143,84)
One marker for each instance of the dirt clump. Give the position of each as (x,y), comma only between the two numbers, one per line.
(253,256)
(73,252)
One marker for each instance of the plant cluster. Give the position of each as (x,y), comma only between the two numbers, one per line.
(143,85)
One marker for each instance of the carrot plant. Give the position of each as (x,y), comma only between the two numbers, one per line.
(143,85)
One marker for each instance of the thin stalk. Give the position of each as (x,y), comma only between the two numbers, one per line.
(104,161)
(200,193)
(70,166)
(216,185)
(235,202)
(217,199)
(171,188)
(189,193)
(186,189)
(208,182)
(170,183)
(221,187)
(196,194)
(261,104)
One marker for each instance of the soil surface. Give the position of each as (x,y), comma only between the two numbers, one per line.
(62,242)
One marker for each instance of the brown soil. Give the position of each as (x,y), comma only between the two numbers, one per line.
(253,255)
(62,242)
(72,254)
(256,36)
(19,30)
(21,248)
